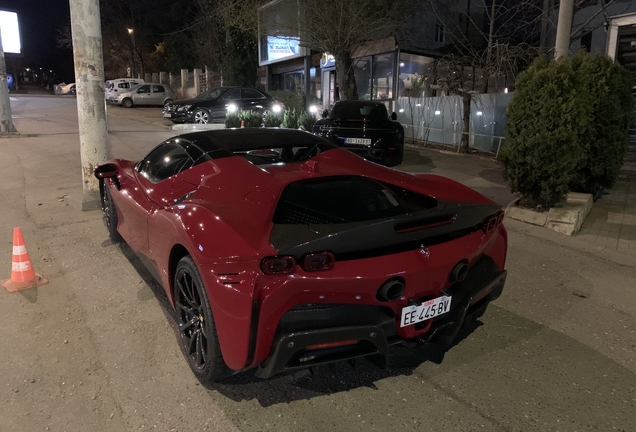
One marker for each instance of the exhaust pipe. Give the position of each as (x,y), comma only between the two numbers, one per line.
(391,290)
(459,272)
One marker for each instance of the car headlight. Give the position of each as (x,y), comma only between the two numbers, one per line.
(232,108)
(276,108)
(184,107)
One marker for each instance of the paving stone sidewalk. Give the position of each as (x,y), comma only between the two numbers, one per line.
(612,221)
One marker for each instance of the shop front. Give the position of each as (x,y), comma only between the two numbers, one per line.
(376,66)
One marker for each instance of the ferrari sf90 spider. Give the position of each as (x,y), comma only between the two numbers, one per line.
(280,251)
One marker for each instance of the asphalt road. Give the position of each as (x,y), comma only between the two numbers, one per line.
(95,349)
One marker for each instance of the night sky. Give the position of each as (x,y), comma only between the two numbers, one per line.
(39,22)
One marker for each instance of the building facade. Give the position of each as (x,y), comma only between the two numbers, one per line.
(385,69)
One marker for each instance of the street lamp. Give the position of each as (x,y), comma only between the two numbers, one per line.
(131,32)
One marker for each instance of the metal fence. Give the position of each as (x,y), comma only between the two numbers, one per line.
(440,120)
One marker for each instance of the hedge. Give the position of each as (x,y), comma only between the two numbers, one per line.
(567,128)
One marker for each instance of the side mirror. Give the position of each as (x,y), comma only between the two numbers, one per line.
(106,171)
(325,114)
(393,116)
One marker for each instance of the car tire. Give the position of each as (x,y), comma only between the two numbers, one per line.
(394,161)
(110,215)
(127,103)
(197,334)
(201,116)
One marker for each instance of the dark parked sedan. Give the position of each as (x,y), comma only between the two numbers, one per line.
(364,128)
(212,105)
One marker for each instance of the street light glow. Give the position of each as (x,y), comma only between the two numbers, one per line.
(130,31)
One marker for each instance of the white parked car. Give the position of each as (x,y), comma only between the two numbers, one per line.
(65,89)
(144,94)
(113,87)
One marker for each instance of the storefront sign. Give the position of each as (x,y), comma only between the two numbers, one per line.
(327,60)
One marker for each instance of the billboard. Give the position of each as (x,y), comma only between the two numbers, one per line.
(280,48)
(10,32)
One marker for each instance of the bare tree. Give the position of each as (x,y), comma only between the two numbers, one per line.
(334,26)
(489,43)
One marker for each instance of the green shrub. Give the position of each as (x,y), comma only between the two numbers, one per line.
(291,100)
(306,122)
(232,120)
(272,120)
(251,118)
(607,88)
(557,128)
(290,119)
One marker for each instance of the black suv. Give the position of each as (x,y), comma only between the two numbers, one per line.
(212,105)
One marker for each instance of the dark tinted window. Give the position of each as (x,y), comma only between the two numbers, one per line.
(158,89)
(252,94)
(143,89)
(210,94)
(123,85)
(232,94)
(345,199)
(164,161)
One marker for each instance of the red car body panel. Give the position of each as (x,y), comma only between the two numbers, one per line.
(225,225)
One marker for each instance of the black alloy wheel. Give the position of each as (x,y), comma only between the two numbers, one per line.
(201,116)
(110,215)
(197,332)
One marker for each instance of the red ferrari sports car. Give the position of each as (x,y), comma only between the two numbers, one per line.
(281,251)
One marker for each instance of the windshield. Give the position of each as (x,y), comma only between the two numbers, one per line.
(210,94)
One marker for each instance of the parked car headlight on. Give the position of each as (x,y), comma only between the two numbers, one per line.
(232,108)
(184,108)
(276,108)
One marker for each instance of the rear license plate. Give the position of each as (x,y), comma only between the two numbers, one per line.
(427,310)
(357,140)
(167,115)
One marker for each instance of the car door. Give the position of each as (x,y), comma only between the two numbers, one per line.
(230,97)
(143,95)
(118,88)
(156,177)
(158,95)
(252,99)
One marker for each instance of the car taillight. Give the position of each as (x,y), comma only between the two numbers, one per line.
(492,222)
(318,261)
(278,265)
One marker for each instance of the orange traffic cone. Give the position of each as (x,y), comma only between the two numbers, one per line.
(22,274)
(242,123)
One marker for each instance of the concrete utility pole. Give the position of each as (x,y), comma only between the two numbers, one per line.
(89,78)
(564,29)
(6,122)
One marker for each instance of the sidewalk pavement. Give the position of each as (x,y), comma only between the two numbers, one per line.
(612,221)
(611,224)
